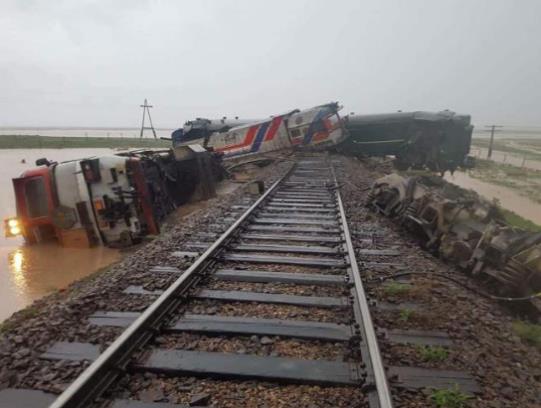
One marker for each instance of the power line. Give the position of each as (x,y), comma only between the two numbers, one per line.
(146,109)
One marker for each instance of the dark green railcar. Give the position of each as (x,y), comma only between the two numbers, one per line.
(439,141)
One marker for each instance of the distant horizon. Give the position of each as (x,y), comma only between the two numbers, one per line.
(477,127)
(82,127)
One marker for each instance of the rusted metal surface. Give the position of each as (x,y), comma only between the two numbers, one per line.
(462,228)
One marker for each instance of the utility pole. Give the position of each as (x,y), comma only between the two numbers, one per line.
(146,110)
(492,129)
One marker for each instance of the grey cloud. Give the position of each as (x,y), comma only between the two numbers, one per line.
(91,63)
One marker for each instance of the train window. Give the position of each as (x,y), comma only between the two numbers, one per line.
(295,132)
(36,197)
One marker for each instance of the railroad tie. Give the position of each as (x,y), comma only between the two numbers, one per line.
(184,362)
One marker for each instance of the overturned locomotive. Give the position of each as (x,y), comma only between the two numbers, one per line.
(463,228)
(439,141)
(317,126)
(111,200)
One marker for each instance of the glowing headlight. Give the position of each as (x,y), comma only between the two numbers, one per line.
(12,227)
(15,230)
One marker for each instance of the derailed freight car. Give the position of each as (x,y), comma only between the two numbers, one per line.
(464,229)
(439,141)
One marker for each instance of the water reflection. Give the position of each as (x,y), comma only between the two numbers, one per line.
(37,269)
(17,261)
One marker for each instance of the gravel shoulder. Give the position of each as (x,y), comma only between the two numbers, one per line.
(62,316)
(485,345)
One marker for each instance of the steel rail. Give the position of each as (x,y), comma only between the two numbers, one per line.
(112,362)
(384,398)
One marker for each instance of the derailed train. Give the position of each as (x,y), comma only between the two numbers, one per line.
(111,200)
(464,229)
(117,199)
(316,127)
(439,141)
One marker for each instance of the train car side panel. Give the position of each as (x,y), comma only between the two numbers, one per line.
(316,126)
(261,137)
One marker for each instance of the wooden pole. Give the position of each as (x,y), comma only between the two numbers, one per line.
(492,129)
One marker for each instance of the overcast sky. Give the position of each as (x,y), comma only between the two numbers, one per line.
(91,62)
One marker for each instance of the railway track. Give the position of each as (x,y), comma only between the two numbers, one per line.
(283,276)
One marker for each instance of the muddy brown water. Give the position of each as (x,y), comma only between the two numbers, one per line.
(28,272)
(508,198)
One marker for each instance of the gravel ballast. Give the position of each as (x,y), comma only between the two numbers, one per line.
(507,370)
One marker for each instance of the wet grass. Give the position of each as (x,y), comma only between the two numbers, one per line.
(513,146)
(528,332)
(515,220)
(449,398)
(526,182)
(60,142)
(406,315)
(433,353)
(12,322)
(396,288)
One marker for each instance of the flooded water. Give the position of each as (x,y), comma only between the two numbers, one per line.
(82,132)
(28,272)
(509,198)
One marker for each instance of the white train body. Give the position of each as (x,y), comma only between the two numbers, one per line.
(260,137)
(109,200)
(312,127)
(316,126)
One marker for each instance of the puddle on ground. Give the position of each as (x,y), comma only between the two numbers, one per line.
(29,272)
(509,198)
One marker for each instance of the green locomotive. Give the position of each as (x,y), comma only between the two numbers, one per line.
(438,141)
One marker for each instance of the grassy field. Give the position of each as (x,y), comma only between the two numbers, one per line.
(526,182)
(49,142)
(516,220)
(528,148)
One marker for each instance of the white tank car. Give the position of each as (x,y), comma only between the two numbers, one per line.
(73,199)
(114,201)
(98,190)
